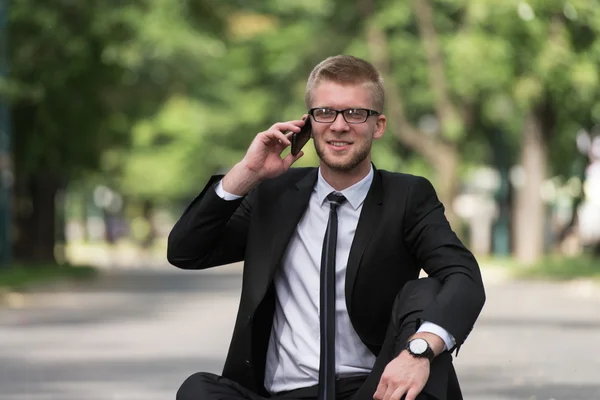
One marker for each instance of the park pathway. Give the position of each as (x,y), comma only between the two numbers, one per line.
(137,334)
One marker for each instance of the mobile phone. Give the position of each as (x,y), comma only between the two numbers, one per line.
(299,139)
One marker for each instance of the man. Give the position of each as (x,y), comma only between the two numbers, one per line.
(391,225)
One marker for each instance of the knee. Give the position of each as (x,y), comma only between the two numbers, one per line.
(195,385)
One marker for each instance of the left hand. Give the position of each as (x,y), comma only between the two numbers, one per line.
(405,374)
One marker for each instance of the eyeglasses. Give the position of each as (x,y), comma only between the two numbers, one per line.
(351,115)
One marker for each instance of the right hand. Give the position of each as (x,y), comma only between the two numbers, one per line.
(263,158)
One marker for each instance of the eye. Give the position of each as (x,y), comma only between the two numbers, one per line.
(324,112)
(356,114)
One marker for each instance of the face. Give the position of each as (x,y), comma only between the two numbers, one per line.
(344,147)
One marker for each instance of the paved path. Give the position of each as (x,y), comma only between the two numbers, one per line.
(136,335)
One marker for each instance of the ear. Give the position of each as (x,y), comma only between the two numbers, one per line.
(380,126)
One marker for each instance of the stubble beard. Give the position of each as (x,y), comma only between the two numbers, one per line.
(357,157)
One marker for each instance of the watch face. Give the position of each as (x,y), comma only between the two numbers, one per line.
(418,346)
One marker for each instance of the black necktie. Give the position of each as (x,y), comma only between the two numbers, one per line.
(327,363)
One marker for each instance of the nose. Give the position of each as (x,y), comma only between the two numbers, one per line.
(339,123)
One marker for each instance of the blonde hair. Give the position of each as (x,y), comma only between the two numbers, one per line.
(347,70)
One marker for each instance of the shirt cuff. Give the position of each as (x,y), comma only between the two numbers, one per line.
(223,194)
(439,331)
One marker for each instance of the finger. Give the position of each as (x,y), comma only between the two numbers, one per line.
(289,134)
(380,392)
(398,393)
(411,394)
(391,391)
(293,126)
(276,135)
(290,159)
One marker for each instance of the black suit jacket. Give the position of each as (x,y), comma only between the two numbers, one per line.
(401,230)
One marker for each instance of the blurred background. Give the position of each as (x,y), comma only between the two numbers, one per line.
(114,113)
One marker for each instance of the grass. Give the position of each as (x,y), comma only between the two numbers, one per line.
(559,268)
(16,277)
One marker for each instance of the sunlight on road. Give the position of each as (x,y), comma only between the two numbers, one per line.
(138,333)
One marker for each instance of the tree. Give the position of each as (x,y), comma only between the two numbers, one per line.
(82,74)
(553,58)
(254,81)
(60,119)
(520,66)
(440,145)
(156,95)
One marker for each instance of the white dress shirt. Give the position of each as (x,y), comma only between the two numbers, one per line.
(294,346)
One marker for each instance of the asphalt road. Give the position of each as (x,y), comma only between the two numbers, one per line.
(137,334)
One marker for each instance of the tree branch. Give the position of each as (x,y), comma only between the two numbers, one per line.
(440,153)
(445,109)
(406,132)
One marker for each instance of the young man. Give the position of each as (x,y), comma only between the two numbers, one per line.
(331,306)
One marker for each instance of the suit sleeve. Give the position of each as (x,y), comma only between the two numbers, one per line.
(440,253)
(211,231)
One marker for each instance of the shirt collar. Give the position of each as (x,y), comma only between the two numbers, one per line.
(355,194)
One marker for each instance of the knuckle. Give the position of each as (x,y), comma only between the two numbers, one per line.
(397,382)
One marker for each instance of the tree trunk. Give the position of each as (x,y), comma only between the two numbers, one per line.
(148,212)
(60,219)
(85,215)
(35,218)
(529,211)
(442,154)
(446,175)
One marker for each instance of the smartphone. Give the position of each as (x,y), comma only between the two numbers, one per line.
(299,139)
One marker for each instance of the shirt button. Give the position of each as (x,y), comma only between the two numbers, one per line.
(249,319)
(248,363)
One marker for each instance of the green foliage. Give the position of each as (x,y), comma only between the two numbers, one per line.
(84,72)
(157,95)
(512,56)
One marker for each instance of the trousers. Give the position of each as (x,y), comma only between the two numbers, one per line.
(404,321)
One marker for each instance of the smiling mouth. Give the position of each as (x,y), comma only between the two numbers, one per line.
(338,143)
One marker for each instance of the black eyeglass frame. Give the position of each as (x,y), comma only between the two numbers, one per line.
(311,112)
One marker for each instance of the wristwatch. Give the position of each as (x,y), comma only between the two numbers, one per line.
(420,348)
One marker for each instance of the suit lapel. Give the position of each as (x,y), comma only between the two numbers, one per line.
(369,219)
(286,215)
